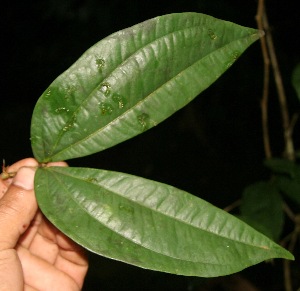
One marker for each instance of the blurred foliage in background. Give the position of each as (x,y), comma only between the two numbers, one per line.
(212,148)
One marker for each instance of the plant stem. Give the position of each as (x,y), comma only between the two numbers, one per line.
(269,56)
(265,95)
(6,175)
(233,205)
(287,263)
(289,151)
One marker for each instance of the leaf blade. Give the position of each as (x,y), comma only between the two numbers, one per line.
(126,217)
(131,81)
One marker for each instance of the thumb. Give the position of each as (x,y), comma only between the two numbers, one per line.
(17,208)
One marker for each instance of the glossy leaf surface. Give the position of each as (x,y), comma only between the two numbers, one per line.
(131,81)
(149,224)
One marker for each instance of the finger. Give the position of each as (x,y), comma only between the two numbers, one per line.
(57,164)
(54,247)
(3,187)
(29,162)
(72,259)
(49,243)
(44,244)
(40,275)
(27,238)
(17,208)
(11,273)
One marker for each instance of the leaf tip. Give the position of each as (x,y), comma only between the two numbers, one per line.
(289,256)
(285,254)
(278,252)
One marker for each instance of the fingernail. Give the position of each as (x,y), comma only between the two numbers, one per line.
(24,178)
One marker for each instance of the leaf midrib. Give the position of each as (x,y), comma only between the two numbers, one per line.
(61,133)
(143,100)
(164,214)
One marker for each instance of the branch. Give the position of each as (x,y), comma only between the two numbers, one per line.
(289,151)
(266,81)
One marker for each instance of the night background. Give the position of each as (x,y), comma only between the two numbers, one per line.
(212,148)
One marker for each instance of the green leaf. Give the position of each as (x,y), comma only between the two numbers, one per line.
(283,166)
(288,177)
(296,80)
(131,81)
(289,187)
(149,224)
(262,208)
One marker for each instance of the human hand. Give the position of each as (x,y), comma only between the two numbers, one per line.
(34,255)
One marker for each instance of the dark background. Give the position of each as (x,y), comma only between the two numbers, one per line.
(212,148)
